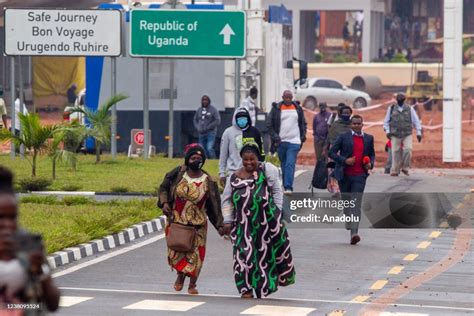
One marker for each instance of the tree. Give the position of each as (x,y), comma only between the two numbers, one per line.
(34,136)
(64,144)
(100,121)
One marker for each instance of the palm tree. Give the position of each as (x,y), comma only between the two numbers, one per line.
(34,136)
(100,121)
(57,148)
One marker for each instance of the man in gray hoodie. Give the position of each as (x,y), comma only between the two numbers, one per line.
(233,139)
(206,121)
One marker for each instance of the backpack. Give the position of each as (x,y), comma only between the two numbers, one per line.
(320,175)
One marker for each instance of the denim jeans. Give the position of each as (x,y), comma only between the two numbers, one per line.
(287,153)
(207,141)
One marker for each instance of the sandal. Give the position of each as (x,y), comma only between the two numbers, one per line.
(247,294)
(179,283)
(192,289)
(192,286)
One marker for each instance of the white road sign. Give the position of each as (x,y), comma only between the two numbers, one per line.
(34,32)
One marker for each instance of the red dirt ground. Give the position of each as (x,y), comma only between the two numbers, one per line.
(427,154)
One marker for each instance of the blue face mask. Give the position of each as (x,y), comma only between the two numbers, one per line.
(242,122)
(346,117)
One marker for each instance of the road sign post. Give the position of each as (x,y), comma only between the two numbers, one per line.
(188,33)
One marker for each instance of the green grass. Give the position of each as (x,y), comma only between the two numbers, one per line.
(135,175)
(74,220)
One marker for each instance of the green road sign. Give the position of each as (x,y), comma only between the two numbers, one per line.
(187,33)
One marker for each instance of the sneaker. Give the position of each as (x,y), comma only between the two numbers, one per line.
(288,191)
(387,171)
(393,174)
(405,172)
(355,239)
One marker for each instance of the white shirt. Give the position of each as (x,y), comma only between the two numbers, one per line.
(17,110)
(289,131)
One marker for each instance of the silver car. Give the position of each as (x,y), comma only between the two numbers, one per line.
(312,91)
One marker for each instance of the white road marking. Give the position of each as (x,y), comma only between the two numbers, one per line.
(299,172)
(267,299)
(158,305)
(108,256)
(67,301)
(401,314)
(277,310)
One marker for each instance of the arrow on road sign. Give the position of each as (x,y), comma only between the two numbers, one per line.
(227,31)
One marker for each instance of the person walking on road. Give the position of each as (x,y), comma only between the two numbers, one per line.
(282,122)
(250,103)
(320,129)
(233,139)
(188,196)
(252,208)
(338,127)
(206,121)
(354,155)
(398,125)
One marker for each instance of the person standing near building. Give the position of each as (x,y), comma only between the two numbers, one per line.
(18,110)
(398,125)
(250,103)
(354,155)
(282,122)
(3,110)
(346,36)
(320,129)
(206,121)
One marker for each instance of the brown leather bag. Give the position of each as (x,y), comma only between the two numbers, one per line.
(180,237)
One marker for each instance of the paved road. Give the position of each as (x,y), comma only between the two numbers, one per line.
(392,272)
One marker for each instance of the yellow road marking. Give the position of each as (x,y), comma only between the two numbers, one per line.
(378,284)
(360,298)
(337,312)
(410,257)
(423,244)
(395,270)
(435,234)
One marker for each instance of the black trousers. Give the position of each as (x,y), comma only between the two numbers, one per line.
(352,188)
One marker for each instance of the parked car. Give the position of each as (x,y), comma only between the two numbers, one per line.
(312,91)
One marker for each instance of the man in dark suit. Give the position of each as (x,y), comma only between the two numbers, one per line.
(354,155)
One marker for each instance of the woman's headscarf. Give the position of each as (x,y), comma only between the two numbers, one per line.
(192,149)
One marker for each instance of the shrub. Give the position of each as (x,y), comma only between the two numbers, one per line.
(38,199)
(318,57)
(119,189)
(399,58)
(77,200)
(34,184)
(71,187)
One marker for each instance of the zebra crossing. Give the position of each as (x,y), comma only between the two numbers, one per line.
(189,306)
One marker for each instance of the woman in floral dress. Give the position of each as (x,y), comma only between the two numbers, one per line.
(188,196)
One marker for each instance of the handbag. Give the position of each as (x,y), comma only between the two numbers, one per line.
(180,237)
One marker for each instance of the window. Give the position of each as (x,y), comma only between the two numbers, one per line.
(334,84)
(321,84)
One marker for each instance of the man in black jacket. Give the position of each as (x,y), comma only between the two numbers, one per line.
(281,124)
(354,155)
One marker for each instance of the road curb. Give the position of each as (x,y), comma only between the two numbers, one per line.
(69,255)
(89,193)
